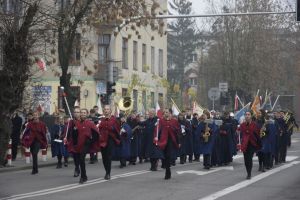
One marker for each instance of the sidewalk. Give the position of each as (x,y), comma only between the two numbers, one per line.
(20,163)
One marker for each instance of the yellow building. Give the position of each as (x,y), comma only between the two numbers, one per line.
(135,59)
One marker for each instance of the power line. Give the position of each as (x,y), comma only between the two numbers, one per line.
(222,15)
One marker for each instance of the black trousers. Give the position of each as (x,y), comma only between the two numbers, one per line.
(76,162)
(206,160)
(80,158)
(34,149)
(106,155)
(153,163)
(248,158)
(283,147)
(168,157)
(14,150)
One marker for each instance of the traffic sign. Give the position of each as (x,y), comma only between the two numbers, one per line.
(223,87)
(214,94)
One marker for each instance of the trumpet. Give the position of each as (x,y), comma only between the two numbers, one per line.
(206,133)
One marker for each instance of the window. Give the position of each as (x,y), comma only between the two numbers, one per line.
(8,6)
(63,4)
(135,100)
(193,81)
(194,57)
(144,97)
(103,48)
(125,53)
(152,100)
(75,54)
(153,60)
(135,57)
(161,98)
(160,62)
(124,92)
(144,58)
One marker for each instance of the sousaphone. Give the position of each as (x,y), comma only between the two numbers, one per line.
(125,104)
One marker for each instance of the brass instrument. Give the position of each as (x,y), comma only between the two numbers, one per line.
(125,104)
(262,131)
(206,133)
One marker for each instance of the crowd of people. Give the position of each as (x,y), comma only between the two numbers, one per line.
(132,138)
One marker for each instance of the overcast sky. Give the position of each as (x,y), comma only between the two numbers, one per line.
(204,7)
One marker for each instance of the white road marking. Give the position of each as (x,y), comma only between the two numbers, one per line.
(71,186)
(201,173)
(76,185)
(246,183)
(288,158)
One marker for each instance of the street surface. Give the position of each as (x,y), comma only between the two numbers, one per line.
(189,182)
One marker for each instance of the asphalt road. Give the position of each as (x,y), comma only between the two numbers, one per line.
(189,182)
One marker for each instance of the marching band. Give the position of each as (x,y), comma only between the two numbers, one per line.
(151,139)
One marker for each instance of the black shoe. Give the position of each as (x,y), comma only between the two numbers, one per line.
(82,180)
(107,177)
(91,162)
(197,159)
(181,162)
(168,175)
(248,177)
(65,164)
(58,166)
(76,173)
(190,161)
(34,172)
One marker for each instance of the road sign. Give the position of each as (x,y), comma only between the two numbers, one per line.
(101,87)
(214,94)
(223,87)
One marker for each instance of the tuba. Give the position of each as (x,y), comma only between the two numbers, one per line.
(125,104)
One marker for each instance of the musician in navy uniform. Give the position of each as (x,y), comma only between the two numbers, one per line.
(186,139)
(123,150)
(207,131)
(282,137)
(151,149)
(58,149)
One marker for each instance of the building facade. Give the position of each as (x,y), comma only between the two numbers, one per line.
(135,58)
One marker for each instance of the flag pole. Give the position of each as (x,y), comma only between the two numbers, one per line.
(175,105)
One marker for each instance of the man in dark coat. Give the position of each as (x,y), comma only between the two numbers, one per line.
(15,134)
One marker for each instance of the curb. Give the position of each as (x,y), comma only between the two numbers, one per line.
(29,166)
